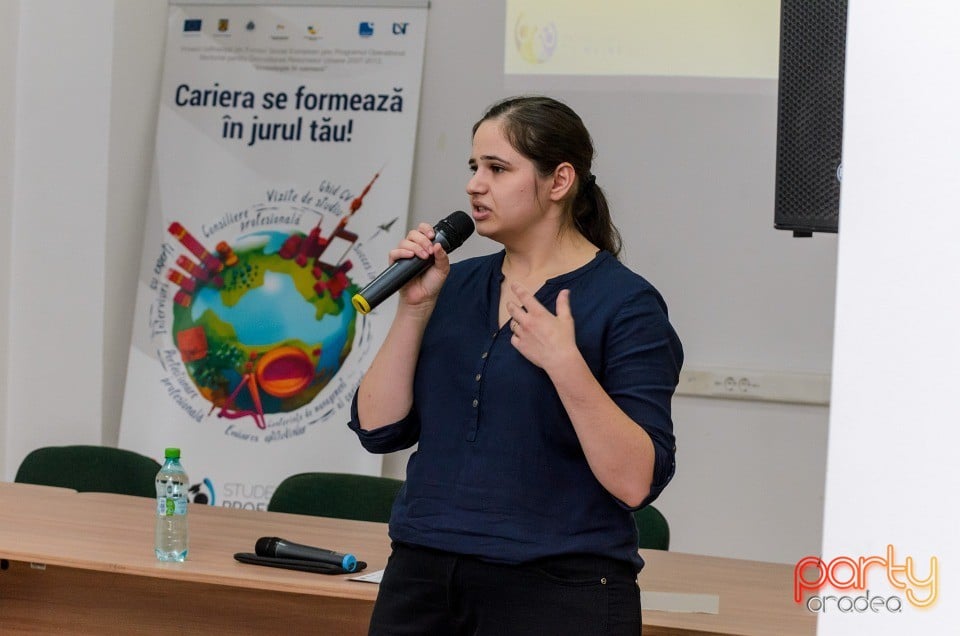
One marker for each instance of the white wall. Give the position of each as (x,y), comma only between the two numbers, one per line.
(690,176)
(9,28)
(139,30)
(892,471)
(57,245)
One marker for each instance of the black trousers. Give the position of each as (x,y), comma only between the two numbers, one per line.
(429,592)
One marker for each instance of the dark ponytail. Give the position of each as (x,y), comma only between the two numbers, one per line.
(549,132)
(592,217)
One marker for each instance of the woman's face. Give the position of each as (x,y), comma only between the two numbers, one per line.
(505,190)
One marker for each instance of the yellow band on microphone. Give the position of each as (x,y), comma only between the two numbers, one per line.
(360,304)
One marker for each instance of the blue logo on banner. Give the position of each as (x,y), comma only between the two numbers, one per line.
(192,25)
(366,29)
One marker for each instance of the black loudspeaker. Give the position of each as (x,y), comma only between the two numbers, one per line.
(813,37)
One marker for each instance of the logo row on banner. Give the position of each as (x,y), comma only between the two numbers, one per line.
(282,31)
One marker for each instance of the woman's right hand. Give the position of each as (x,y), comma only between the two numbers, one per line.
(422,290)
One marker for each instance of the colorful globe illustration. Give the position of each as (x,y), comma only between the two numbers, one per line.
(270,330)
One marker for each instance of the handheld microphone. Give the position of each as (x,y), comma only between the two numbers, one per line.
(275,547)
(451,232)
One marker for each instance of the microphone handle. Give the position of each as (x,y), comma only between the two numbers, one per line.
(389,281)
(288,550)
(393,278)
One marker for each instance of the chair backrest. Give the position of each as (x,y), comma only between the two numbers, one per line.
(90,468)
(652,529)
(338,495)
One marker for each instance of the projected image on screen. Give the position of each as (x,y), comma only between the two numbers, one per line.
(661,38)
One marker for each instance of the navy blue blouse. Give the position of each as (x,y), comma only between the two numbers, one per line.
(499,472)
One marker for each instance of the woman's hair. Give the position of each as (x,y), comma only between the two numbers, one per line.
(549,133)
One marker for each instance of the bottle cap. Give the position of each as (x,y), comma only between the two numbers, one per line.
(172,453)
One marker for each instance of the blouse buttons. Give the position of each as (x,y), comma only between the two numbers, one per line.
(477,378)
(475,403)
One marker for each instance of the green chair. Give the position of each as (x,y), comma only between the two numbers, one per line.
(338,495)
(652,528)
(90,468)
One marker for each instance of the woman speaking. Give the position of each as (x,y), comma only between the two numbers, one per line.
(537,383)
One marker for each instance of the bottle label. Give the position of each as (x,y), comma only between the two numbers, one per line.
(169,506)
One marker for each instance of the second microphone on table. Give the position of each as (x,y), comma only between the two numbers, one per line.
(275,547)
(451,232)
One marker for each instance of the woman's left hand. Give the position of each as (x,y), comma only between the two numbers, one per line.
(544,339)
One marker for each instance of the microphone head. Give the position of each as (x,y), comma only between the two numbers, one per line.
(267,546)
(456,228)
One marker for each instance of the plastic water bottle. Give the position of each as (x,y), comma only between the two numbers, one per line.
(170,540)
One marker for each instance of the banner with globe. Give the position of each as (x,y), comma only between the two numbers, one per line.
(285,139)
